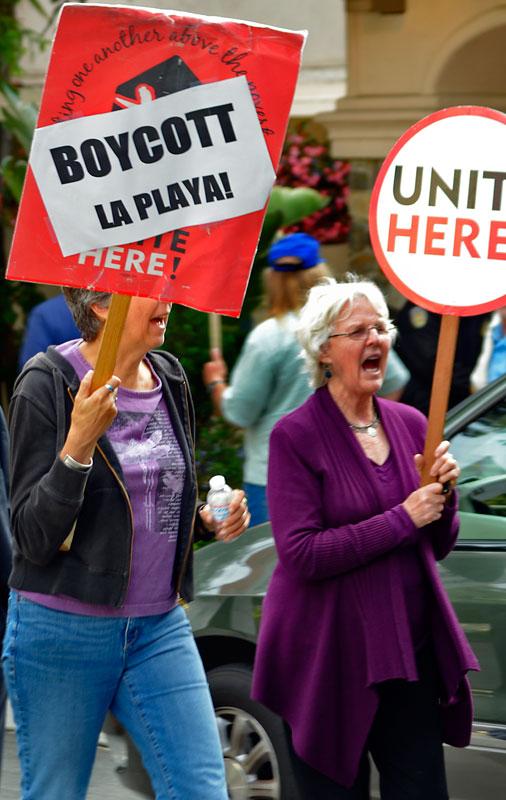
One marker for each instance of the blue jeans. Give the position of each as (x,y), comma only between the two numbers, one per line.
(64,671)
(257,503)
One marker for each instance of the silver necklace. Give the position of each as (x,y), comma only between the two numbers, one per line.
(371,428)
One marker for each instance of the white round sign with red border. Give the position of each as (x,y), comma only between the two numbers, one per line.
(438,212)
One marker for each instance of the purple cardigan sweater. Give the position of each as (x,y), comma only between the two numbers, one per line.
(334,620)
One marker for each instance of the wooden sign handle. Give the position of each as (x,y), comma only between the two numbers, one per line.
(113,331)
(441,383)
(215,335)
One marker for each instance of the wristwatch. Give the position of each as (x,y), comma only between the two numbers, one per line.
(73,464)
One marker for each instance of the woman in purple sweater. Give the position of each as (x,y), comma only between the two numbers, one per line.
(360,651)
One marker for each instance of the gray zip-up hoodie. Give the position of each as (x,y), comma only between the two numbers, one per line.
(5,533)
(48,498)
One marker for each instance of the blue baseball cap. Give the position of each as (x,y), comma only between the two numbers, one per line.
(301,246)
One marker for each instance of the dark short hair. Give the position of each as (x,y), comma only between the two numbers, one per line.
(80,301)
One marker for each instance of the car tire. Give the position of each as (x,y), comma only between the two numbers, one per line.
(253,739)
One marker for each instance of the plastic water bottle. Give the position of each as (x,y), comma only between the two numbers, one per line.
(219,496)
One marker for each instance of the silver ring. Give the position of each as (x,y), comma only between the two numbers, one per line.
(108,386)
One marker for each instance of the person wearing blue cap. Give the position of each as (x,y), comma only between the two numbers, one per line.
(268,379)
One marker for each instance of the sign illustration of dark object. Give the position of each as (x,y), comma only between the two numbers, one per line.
(171,76)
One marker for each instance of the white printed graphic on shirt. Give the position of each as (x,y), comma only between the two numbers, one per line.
(152,462)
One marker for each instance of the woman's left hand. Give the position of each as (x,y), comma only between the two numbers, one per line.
(445,468)
(237,521)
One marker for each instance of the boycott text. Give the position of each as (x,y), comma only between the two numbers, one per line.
(148,144)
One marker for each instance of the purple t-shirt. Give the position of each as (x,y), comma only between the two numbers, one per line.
(408,562)
(154,471)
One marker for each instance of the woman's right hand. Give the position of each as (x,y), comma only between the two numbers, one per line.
(426,504)
(92,414)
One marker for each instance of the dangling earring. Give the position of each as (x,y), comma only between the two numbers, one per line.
(327,372)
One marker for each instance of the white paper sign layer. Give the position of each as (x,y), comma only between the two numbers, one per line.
(193,157)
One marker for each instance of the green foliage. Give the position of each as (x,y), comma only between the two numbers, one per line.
(218,443)
(15,298)
(219,452)
(13,172)
(11,40)
(17,123)
(287,206)
(18,118)
(16,40)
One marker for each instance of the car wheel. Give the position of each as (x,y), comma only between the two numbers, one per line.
(253,739)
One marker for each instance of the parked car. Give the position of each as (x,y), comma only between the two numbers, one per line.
(231,581)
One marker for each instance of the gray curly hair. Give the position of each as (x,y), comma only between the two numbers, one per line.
(328,302)
(80,301)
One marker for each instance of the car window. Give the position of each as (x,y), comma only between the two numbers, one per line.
(480,449)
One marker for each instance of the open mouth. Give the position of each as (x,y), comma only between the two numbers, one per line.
(161,322)
(371,364)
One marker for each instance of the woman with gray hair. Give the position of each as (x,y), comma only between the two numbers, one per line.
(359,649)
(104,509)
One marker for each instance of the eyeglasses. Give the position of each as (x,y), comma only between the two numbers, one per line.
(381,328)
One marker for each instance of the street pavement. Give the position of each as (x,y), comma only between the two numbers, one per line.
(486,773)
(105,781)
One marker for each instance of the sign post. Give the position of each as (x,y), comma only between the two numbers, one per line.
(438,229)
(440,393)
(215,337)
(113,331)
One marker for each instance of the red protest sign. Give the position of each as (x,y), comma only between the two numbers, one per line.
(154,154)
(437,212)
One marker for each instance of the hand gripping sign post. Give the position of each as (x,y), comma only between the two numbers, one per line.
(155,152)
(438,229)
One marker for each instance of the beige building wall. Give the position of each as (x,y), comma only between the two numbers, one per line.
(323,75)
(402,66)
